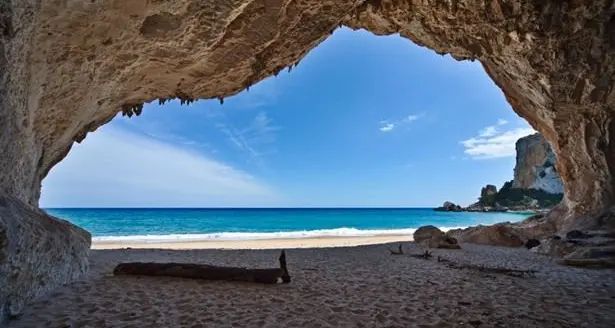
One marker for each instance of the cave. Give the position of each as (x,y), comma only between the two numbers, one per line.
(67,68)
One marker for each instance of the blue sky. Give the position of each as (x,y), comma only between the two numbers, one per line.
(363,120)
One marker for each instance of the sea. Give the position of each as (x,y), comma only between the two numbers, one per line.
(158,225)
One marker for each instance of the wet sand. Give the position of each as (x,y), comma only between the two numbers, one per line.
(260,243)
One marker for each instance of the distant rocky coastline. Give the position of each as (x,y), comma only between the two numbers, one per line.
(536,186)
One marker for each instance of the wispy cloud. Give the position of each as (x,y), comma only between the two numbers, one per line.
(492,130)
(493,142)
(489,131)
(114,167)
(388,126)
(255,139)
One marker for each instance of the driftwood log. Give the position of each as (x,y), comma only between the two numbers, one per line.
(207,272)
(426,255)
(399,250)
(484,269)
(480,268)
(588,263)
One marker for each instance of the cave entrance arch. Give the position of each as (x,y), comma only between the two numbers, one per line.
(352,77)
(67,68)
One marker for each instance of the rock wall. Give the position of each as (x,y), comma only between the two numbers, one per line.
(536,165)
(37,253)
(68,67)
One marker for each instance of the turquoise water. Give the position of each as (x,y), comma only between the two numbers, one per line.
(142,224)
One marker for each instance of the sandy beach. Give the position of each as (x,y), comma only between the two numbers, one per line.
(260,243)
(361,286)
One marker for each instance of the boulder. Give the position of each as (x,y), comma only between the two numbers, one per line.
(449,207)
(495,235)
(426,233)
(553,246)
(432,237)
(537,226)
(576,234)
(37,253)
(531,243)
(446,242)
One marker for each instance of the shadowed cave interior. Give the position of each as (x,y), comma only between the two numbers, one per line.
(66,69)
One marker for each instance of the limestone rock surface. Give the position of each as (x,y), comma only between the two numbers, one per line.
(535,166)
(553,246)
(592,257)
(432,237)
(68,67)
(425,233)
(494,235)
(37,253)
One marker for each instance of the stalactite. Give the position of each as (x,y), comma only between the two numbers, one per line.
(247,85)
(126,110)
(138,109)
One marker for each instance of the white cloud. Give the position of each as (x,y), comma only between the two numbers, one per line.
(386,126)
(114,167)
(411,118)
(488,132)
(492,130)
(493,143)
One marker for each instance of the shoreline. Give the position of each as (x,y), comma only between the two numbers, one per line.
(272,243)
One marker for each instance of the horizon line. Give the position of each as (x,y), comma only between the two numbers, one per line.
(242,207)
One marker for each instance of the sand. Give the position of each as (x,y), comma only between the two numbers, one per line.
(360,286)
(261,243)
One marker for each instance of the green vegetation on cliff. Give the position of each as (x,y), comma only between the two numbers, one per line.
(516,197)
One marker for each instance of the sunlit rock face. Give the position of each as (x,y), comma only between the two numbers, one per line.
(68,67)
(535,166)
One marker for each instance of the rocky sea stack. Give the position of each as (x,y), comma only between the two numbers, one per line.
(536,186)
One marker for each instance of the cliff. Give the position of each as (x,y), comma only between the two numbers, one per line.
(536,184)
(535,167)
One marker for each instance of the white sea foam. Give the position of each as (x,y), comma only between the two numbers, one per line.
(340,232)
